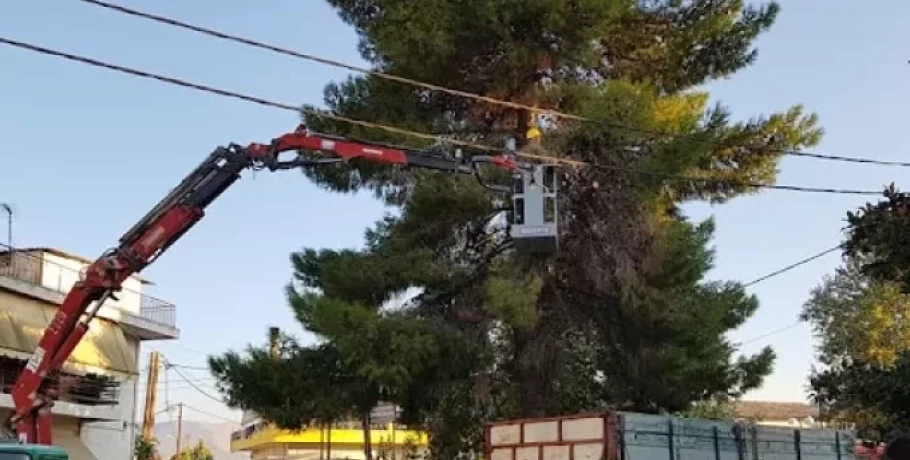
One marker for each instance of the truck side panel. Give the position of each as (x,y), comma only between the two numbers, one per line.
(585,437)
(654,437)
(633,436)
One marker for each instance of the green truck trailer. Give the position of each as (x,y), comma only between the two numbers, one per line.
(632,436)
(16,451)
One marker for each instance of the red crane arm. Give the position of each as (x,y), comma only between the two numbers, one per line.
(161,227)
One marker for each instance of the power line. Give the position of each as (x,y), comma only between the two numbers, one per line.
(438,88)
(191,368)
(822,156)
(789,188)
(235,95)
(196,409)
(778,273)
(792,266)
(331,62)
(392,129)
(771,333)
(192,384)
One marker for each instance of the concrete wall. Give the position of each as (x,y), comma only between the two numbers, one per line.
(115,438)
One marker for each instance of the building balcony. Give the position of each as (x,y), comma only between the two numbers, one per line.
(48,274)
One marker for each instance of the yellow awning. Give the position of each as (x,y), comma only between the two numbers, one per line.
(104,349)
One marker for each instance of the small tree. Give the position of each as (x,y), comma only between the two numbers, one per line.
(864,349)
(146,449)
(197,452)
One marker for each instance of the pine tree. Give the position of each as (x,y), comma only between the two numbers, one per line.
(642,72)
(622,317)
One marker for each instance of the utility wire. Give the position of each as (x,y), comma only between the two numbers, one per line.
(331,62)
(792,266)
(392,129)
(191,368)
(231,94)
(778,273)
(192,384)
(443,89)
(196,409)
(771,333)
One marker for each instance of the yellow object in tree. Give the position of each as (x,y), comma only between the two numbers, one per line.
(533,133)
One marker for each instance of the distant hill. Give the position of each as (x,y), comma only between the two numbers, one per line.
(216,436)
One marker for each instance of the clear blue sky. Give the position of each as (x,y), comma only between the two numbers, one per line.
(87,151)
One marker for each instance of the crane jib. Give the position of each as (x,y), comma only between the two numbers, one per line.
(533,226)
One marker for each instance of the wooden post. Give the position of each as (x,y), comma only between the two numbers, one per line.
(179,427)
(274,338)
(321,441)
(151,390)
(328,445)
(394,442)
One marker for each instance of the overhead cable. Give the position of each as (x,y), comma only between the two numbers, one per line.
(442,89)
(778,273)
(400,131)
(793,265)
(192,383)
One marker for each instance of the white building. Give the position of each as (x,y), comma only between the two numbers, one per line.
(98,391)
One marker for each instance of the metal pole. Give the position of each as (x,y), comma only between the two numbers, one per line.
(9,224)
(179,427)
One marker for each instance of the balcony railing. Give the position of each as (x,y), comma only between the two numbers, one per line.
(157,310)
(27,267)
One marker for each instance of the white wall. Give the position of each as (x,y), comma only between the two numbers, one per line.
(114,439)
(60,273)
(107,439)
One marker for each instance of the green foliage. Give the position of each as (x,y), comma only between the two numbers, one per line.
(411,450)
(877,235)
(146,449)
(858,318)
(511,296)
(874,398)
(687,357)
(623,317)
(304,385)
(197,452)
(711,410)
(865,348)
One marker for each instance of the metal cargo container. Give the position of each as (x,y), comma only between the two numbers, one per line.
(631,436)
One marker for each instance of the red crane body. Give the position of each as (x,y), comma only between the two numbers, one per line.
(182,208)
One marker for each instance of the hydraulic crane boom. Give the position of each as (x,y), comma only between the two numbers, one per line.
(179,211)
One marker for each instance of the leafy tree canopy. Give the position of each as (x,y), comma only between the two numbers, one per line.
(711,410)
(864,346)
(857,318)
(146,449)
(197,452)
(877,235)
(623,316)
